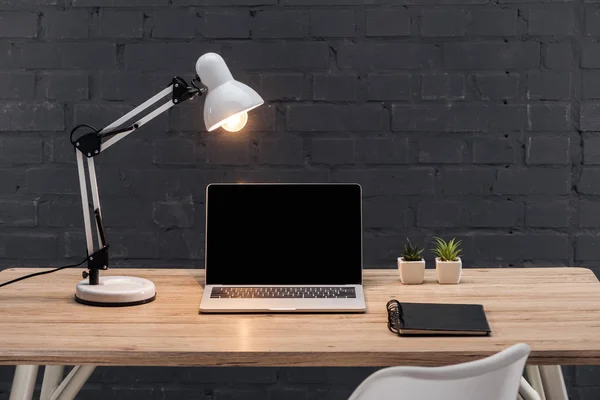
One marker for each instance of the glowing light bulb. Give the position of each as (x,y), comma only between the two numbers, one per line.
(236,122)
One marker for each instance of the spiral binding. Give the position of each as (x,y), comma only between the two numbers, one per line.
(395,316)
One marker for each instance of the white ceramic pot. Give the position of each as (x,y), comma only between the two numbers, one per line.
(411,272)
(448,272)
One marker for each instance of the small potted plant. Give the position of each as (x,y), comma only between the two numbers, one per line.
(448,264)
(411,265)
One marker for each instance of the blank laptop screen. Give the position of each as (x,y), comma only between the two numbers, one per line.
(283,234)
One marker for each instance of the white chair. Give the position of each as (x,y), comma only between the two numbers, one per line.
(494,378)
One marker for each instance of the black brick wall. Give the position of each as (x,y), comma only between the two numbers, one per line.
(468,118)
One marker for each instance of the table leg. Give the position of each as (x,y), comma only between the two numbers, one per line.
(53,376)
(554,383)
(535,380)
(23,382)
(72,384)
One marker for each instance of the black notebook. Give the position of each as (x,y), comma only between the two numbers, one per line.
(437,319)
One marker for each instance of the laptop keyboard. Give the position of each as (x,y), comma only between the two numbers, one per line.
(308,292)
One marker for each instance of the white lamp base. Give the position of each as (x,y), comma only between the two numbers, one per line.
(116,291)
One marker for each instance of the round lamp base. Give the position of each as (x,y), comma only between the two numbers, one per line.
(116,291)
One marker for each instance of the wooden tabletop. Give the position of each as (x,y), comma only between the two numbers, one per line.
(555,310)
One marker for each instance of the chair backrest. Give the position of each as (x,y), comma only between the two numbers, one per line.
(494,378)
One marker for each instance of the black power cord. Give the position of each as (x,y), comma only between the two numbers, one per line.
(43,273)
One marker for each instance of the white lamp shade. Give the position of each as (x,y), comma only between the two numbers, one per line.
(225,96)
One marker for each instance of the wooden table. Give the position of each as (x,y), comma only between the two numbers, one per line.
(554,310)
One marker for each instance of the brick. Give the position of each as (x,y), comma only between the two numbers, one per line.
(66,24)
(589,182)
(496,86)
(552,214)
(31,117)
(237,375)
(261,119)
(223,2)
(332,151)
(455,22)
(589,214)
(169,24)
(592,22)
(52,181)
(388,87)
(589,116)
(21,150)
(30,245)
(589,55)
(441,214)
(591,150)
(493,151)
(412,181)
(17,24)
(492,22)
(126,244)
(512,117)
(385,212)
(119,3)
(12,180)
(100,114)
(559,55)
(282,175)
(88,55)
(549,117)
(17,85)
(171,184)
(536,246)
(531,181)
(134,151)
(441,150)
(64,85)
(125,213)
(337,87)
(385,151)
(444,118)
(163,56)
(226,24)
(121,24)
(18,213)
(442,87)
(590,84)
(587,247)
(63,212)
(274,24)
(277,55)
(548,150)
(446,22)
(284,86)
(228,151)
(132,86)
(495,214)
(549,85)
(288,151)
(388,22)
(330,376)
(467,181)
(319,117)
(491,56)
(374,57)
(173,214)
(332,23)
(587,393)
(175,151)
(551,21)
(587,375)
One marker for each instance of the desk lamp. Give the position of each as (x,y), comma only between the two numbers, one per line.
(226,105)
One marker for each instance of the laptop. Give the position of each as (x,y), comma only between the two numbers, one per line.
(283,247)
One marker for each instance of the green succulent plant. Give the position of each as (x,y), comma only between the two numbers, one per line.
(412,253)
(447,251)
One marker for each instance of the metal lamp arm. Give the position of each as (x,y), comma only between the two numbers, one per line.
(92,143)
